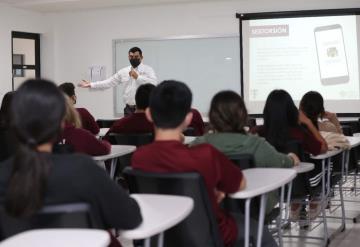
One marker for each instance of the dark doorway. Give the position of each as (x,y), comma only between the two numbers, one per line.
(25,57)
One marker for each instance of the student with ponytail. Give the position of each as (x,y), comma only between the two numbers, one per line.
(35,177)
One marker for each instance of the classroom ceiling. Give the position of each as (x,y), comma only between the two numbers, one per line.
(71,5)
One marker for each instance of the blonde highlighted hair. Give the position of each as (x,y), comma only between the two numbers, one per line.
(71,116)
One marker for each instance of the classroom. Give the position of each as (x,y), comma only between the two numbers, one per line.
(149,123)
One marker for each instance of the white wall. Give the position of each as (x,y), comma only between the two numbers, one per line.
(72,41)
(84,38)
(12,19)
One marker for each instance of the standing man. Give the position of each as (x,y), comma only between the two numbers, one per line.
(132,76)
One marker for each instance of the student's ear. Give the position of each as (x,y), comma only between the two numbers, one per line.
(148,115)
(188,119)
(73,99)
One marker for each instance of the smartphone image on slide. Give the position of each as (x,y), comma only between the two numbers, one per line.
(331,54)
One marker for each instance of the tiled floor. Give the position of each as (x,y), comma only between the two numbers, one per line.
(349,238)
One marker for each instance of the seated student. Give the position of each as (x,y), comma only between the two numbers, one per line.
(137,122)
(197,123)
(35,177)
(169,110)
(81,140)
(283,123)
(312,104)
(228,116)
(8,140)
(87,120)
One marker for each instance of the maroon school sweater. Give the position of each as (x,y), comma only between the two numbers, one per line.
(83,141)
(197,123)
(88,121)
(134,123)
(217,170)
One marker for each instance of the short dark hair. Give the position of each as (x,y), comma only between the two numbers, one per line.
(142,96)
(135,49)
(228,112)
(280,114)
(5,109)
(312,104)
(68,88)
(170,101)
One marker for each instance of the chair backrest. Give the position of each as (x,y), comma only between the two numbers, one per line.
(296,147)
(200,228)
(134,139)
(189,131)
(354,125)
(105,123)
(244,161)
(60,148)
(347,130)
(74,215)
(251,122)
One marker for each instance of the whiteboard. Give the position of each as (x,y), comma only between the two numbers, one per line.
(206,64)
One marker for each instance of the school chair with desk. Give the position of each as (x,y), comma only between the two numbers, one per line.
(59,238)
(72,215)
(202,217)
(105,123)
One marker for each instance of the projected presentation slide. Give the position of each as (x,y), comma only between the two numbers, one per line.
(301,54)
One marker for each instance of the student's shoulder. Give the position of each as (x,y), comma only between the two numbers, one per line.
(78,135)
(146,148)
(83,112)
(122,121)
(195,112)
(77,165)
(83,133)
(7,163)
(254,138)
(255,142)
(203,148)
(144,152)
(73,158)
(76,162)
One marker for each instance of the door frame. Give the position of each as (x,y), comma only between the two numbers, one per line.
(36,67)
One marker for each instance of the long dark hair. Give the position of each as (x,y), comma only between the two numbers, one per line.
(280,114)
(312,104)
(37,110)
(228,112)
(5,110)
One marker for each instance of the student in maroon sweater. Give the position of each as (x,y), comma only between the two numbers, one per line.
(87,120)
(81,140)
(283,122)
(136,122)
(197,123)
(170,112)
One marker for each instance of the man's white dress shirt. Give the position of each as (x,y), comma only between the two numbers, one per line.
(145,75)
